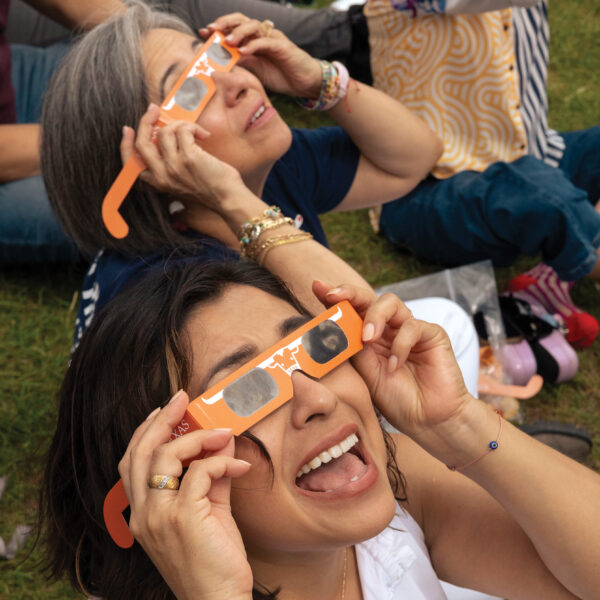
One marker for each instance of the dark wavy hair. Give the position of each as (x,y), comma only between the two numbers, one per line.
(134,356)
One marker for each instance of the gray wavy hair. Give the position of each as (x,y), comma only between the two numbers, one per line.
(98,88)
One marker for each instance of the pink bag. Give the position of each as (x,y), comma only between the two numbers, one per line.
(543,348)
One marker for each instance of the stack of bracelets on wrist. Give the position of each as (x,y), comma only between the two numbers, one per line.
(250,244)
(334,85)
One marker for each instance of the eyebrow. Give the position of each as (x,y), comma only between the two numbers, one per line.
(163,80)
(245,353)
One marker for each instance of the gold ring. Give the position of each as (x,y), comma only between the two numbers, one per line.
(268,25)
(163,482)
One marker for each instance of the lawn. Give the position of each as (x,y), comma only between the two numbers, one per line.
(37,311)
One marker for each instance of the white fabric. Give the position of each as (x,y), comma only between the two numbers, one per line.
(460,329)
(395,565)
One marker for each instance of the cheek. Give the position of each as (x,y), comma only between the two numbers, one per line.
(260,475)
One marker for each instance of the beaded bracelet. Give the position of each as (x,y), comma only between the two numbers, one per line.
(251,230)
(280,240)
(334,86)
(493,445)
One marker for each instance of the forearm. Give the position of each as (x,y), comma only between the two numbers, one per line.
(298,263)
(19,151)
(387,133)
(78,14)
(552,498)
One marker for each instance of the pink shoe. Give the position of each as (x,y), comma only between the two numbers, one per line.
(582,328)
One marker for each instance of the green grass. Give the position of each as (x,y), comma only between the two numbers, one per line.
(36,311)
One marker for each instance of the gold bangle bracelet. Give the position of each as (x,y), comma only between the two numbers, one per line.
(249,241)
(280,240)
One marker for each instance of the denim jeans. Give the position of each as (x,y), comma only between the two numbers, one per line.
(523,207)
(29,231)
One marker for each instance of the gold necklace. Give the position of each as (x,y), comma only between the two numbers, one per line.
(345,568)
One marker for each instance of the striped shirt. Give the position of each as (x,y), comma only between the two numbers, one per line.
(532,36)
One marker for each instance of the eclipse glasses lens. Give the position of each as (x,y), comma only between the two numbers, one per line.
(193,90)
(257,387)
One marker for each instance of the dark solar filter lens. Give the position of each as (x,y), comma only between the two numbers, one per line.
(325,341)
(250,392)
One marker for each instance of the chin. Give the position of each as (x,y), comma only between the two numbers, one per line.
(371,520)
(282,140)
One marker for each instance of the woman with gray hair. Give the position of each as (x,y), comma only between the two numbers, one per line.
(228,167)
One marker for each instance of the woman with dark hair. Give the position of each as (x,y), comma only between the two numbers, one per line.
(309,501)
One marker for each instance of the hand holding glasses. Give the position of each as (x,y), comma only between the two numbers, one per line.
(188,98)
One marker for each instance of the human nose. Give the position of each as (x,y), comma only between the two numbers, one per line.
(311,399)
(232,86)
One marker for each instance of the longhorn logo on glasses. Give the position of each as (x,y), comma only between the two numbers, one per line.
(188,98)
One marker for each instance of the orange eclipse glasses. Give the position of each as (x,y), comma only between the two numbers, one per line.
(258,388)
(188,98)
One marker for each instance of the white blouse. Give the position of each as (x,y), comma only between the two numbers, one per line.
(396,565)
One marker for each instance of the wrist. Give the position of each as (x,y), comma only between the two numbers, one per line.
(241,208)
(464,438)
(333,87)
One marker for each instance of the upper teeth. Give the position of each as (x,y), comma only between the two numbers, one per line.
(257,114)
(329,454)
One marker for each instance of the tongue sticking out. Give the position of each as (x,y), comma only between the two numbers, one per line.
(334,474)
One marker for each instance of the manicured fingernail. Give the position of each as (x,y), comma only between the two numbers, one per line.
(244,462)
(223,429)
(124,130)
(211,25)
(153,414)
(392,363)
(230,37)
(368,331)
(336,290)
(177,395)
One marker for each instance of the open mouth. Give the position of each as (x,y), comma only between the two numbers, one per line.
(339,466)
(258,114)
(261,115)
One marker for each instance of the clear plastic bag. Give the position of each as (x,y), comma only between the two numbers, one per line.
(473,288)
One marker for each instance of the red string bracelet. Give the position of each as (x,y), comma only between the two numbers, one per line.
(493,445)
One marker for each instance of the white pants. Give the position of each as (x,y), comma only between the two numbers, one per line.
(460,329)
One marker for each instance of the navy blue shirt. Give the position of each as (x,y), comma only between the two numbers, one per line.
(311,178)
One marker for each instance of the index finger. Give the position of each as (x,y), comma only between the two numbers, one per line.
(226,23)
(376,312)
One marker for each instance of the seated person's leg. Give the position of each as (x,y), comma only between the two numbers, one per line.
(324,33)
(525,207)
(29,231)
(31,70)
(581,160)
